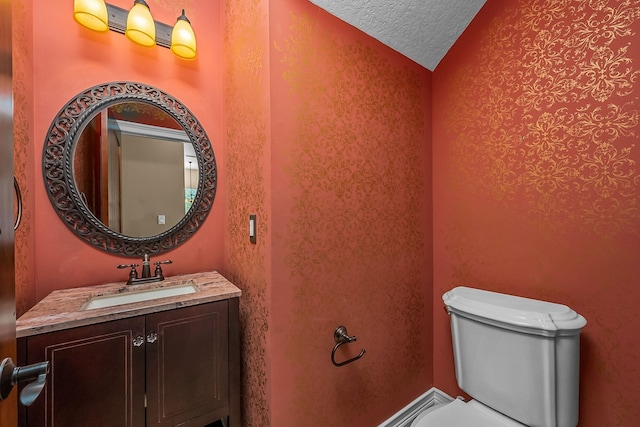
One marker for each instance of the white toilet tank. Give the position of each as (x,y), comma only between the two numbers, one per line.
(517,355)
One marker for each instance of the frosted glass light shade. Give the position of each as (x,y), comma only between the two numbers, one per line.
(141,28)
(183,40)
(91,14)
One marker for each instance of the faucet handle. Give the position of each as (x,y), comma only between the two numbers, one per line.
(158,272)
(133,274)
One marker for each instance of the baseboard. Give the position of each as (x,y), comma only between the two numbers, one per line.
(405,416)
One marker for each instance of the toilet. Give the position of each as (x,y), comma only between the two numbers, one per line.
(518,358)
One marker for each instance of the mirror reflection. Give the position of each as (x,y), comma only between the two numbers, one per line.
(135,169)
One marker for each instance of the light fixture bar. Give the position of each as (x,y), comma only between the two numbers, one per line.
(118,23)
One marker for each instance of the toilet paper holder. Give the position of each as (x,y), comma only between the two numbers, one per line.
(341,337)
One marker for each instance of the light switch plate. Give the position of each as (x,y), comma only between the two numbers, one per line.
(252,228)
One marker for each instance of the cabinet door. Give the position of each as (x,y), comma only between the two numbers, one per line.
(187,358)
(96,376)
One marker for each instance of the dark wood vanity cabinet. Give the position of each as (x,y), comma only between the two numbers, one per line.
(95,374)
(187,357)
(170,368)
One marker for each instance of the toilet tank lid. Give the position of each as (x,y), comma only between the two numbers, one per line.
(524,314)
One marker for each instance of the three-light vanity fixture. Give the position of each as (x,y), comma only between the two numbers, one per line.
(138,25)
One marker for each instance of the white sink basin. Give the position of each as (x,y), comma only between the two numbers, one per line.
(138,296)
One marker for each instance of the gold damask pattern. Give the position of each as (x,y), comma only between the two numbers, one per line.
(356,248)
(246,140)
(548,112)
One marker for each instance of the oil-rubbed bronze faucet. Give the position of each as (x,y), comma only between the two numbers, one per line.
(146,271)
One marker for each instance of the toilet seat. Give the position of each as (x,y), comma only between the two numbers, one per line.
(461,414)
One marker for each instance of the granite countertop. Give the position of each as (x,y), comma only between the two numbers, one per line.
(64,309)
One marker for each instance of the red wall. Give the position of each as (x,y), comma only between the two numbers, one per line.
(248,143)
(351,221)
(328,142)
(60,59)
(535,131)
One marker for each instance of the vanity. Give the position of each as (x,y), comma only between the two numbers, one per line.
(156,354)
(131,172)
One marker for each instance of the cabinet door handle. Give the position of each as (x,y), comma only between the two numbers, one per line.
(152,337)
(138,341)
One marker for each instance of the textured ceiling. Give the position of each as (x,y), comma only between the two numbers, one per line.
(422,30)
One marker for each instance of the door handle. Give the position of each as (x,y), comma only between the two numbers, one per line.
(18,215)
(11,375)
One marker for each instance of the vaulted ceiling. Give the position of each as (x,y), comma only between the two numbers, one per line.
(422,30)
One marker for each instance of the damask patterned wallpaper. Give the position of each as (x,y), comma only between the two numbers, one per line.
(536,114)
(351,167)
(246,106)
(327,137)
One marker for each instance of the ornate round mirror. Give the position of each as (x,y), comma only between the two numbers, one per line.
(129,169)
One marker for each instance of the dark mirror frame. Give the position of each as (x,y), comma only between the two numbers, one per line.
(57,169)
